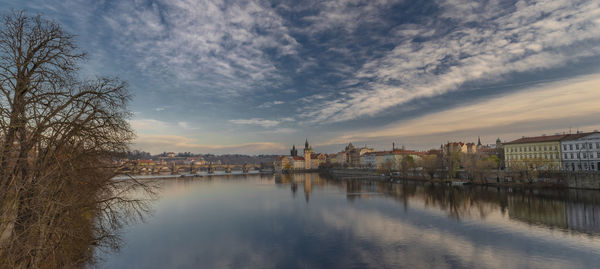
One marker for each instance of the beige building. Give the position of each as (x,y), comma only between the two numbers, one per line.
(539,153)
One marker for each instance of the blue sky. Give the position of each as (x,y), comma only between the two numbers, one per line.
(258,76)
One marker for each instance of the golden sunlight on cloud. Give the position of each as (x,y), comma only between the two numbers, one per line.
(575,98)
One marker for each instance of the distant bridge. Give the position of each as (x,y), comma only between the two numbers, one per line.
(174,168)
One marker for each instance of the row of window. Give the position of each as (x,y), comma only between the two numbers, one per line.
(532,156)
(577,146)
(532,148)
(582,146)
(581,155)
(580,166)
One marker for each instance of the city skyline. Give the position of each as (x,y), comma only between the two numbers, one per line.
(255,77)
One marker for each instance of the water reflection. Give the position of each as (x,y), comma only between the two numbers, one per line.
(307,220)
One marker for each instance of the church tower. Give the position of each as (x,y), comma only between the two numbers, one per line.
(294,151)
(307,152)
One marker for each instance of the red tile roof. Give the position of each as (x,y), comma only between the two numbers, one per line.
(538,139)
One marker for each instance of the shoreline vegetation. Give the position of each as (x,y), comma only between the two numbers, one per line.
(60,137)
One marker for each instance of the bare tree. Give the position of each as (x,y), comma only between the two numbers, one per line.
(431,164)
(59,138)
(406,164)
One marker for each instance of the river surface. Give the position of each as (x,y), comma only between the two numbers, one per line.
(309,221)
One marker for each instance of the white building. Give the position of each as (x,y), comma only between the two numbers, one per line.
(581,152)
(369,160)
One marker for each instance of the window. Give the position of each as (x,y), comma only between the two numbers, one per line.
(571,147)
(564,147)
(578,155)
(566,156)
(572,156)
(576,146)
(585,155)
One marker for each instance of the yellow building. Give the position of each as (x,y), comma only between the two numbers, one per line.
(540,153)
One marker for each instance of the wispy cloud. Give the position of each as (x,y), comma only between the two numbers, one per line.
(270,104)
(488,41)
(219,47)
(550,108)
(256,121)
(160,143)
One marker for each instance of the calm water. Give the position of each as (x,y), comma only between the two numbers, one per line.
(307,221)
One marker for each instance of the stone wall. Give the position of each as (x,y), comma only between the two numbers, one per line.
(583,180)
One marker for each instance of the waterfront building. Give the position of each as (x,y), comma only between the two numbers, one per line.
(145,162)
(368,160)
(460,147)
(282,163)
(299,163)
(317,160)
(352,155)
(310,160)
(380,159)
(581,152)
(307,154)
(540,153)
(395,157)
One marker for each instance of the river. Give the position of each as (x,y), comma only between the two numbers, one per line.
(309,221)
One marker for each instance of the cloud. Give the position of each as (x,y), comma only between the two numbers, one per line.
(270,104)
(161,143)
(185,125)
(148,125)
(485,42)
(216,46)
(256,121)
(549,108)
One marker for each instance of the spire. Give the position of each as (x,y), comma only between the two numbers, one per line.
(306,144)
(478,141)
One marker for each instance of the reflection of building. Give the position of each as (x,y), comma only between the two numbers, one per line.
(583,217)
(535,210)
(307,186)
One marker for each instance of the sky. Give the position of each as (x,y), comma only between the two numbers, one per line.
(255,77)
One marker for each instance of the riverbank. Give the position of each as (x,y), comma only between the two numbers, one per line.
(171,176)
(590,181)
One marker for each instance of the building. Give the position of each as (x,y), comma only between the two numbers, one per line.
(298,163)
(310,160)
(581,152)
(317,160)
(307,155)
(352,155)
(540,153)
(368,160)
(460,147)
